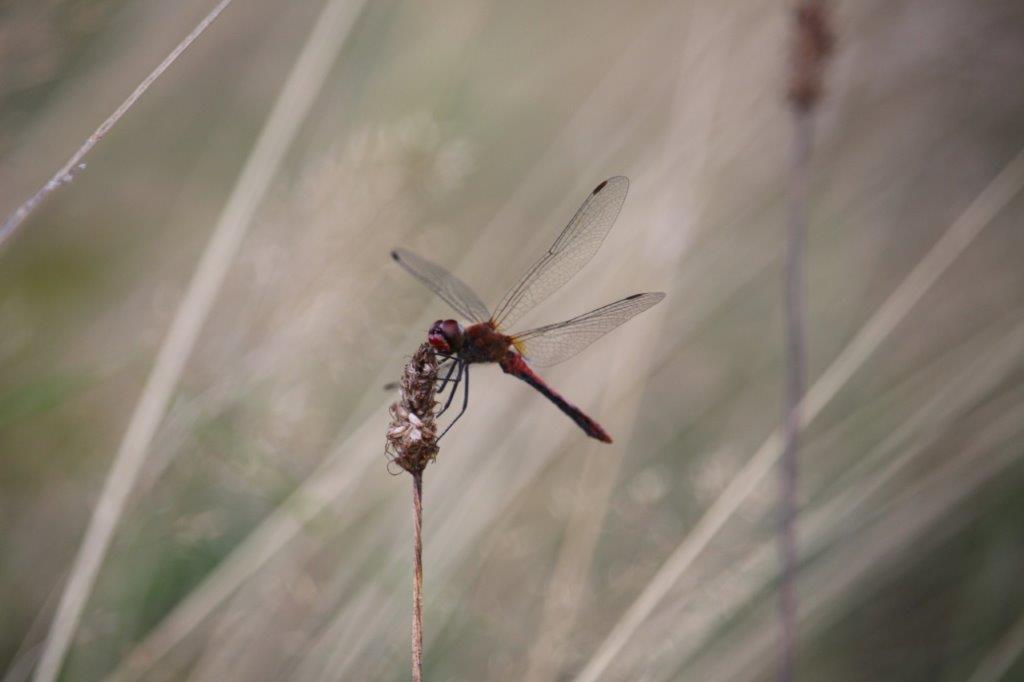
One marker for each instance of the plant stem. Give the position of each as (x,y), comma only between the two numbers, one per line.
(795,362)
(291,107)
(811,46)
(903,299)
(417,578)
(66,173)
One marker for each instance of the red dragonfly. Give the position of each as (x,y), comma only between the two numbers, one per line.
(484,339)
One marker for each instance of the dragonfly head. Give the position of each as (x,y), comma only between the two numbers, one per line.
(445,336)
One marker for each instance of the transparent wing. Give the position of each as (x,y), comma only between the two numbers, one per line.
(573,249)
(453,290)
(550,345)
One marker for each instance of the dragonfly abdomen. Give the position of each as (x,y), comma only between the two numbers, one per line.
(516,366)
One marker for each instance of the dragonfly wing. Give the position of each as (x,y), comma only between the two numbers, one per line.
(554,343)
(453,290)
(573,249)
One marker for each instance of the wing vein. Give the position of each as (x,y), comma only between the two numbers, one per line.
(555,343)
(450,288)
(575,246)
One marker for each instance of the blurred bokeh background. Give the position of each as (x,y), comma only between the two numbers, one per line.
(265,539)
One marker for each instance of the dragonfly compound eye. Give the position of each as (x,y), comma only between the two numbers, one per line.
(445,336)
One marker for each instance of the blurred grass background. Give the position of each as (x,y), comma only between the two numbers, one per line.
(265,539)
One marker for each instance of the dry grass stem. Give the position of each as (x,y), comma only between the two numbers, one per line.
(297,96)
(960,235)
(260,538)
(913,441)
(812,43)
(417,577)
(67,172)
(920,514)
(335,476)
(412,444)
(795,364)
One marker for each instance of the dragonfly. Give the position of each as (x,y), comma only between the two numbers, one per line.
(483,339)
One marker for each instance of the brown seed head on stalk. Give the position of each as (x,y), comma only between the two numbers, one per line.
(412,435)
(812,45)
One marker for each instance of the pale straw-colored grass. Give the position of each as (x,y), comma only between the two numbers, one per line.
(919,513)
(296,98)
(354,453)
(310,579)
(978,366)
(996,195)
(693,129)
(75,164)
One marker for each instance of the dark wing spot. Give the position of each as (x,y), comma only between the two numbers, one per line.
(600,187)
(395,256)
(630,298)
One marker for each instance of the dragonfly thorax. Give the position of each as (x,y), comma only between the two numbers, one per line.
(446,336)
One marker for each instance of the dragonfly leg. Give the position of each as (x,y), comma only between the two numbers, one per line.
(447,377)
(465,403)
(455,387)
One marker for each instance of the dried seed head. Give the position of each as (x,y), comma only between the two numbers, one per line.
(412,435)
(812,45)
